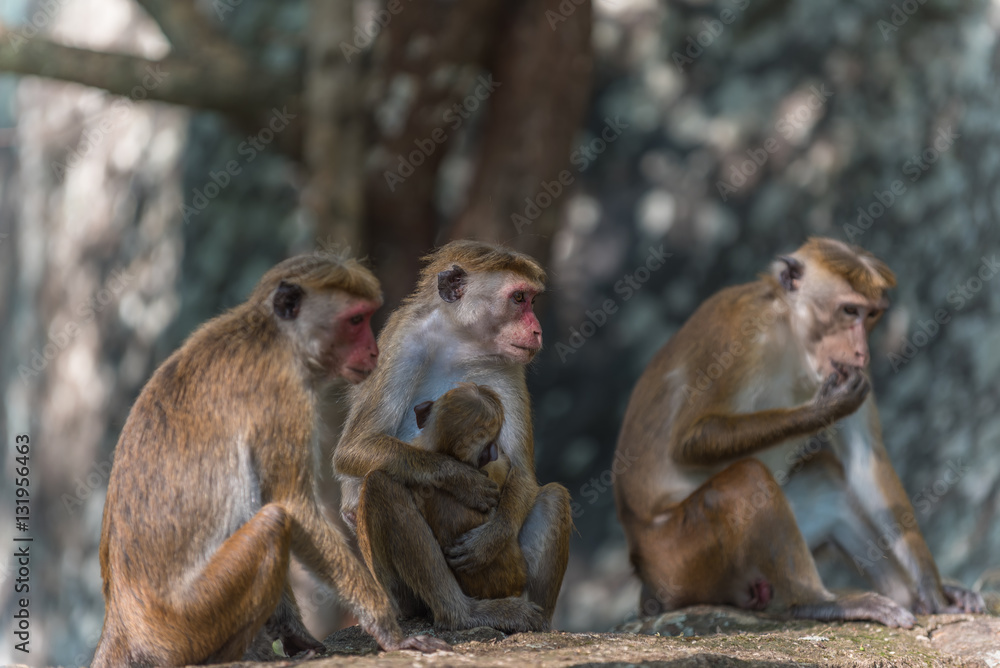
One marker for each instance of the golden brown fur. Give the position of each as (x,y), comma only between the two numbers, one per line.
(763,396)
(470,319)
(212,486)
(462,423)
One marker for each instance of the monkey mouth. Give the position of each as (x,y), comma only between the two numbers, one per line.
(360,374)
(526,353)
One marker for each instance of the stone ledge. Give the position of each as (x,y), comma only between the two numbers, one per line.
(697,636)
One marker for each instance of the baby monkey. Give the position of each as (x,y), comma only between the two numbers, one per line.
(465,423)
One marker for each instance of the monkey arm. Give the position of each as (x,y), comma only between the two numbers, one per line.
(481,545)
(325,552)
(878,496)
(413,467)
(718,438)
(360,455)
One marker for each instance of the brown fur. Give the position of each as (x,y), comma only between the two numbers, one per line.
(475,256)
(755,372)
(212,488)
(432,342)
(463,422)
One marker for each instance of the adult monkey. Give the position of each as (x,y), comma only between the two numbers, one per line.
(212,484)
(470,319)
(734,396)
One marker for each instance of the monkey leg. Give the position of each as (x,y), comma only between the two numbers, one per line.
(402,552)
(218,613)
(544,540)
(734,541)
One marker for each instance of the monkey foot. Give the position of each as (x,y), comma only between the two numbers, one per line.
(761,592)
(425,644)
(963,600)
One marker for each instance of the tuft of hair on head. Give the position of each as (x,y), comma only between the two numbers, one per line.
(477,256)
(321,271)
(473,412)
(866,274)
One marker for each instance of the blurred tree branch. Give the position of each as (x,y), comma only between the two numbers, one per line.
(207,85)
(187,30)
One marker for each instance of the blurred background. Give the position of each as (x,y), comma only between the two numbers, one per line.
(157,156)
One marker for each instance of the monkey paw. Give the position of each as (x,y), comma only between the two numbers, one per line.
(475,548)
(471,487)
(425,644)
(963,600)
(877,608)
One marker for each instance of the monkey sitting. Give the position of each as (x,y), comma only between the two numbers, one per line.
(465,423)
(212,488)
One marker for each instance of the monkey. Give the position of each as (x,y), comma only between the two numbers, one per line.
(465,423)
(212,490)
(752,438)
(469,319)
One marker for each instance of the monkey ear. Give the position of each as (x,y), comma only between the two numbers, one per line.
(287,301)
(489,454)
(451,283)
(423,411)
(791,273)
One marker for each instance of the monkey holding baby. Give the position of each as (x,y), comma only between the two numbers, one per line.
(470,319)
(212,486)
(465,423)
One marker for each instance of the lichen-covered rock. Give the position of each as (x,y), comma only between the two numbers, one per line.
(697,636)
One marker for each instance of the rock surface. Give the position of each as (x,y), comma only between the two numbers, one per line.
(697,636)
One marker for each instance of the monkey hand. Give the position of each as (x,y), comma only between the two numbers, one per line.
(476,547)
(470,486)
(425,644)
(843,392)
(962,600)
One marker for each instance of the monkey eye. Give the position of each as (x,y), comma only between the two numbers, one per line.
(518,297)
(358,319)
(851,310)
(874,314)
